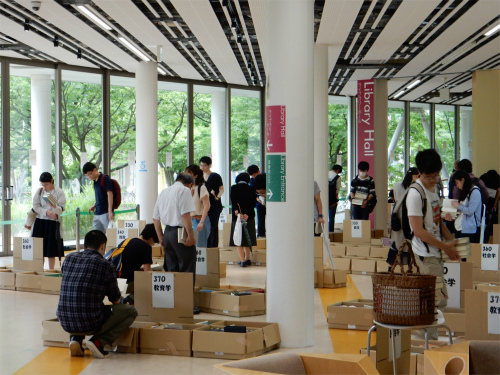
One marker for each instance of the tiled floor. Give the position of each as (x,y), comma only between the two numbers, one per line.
(22,352)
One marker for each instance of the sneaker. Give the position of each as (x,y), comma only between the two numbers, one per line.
(196,310)
(248,262)
(243,264)
(75,346)
(96,348)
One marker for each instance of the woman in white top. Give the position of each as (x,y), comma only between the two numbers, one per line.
(202,205)
(47,223)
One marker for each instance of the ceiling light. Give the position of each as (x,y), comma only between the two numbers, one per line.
(161,71)
(399,94)
(413,84)
(79,54)
(26,24)
(134,49)
(496,28)
(94,18)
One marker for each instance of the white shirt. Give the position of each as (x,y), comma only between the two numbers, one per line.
(172,203)
(40,206)
(432,219)
(197,199)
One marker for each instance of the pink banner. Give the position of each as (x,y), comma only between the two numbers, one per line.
(275,128)
(366,125)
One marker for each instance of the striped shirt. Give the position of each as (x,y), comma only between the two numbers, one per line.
(87,278)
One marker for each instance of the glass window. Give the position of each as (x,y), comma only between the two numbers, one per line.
(81,142)
(465,133)
(396,142)
(445,139)
(338,127)
(420,129)
(245,130)
(172,132)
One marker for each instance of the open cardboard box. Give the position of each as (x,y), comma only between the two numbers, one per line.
(167,339)
(7,279)
(225,303)
(29,282)
(334,278)
(271,332)
(51,283)
(350,315)
(294,363)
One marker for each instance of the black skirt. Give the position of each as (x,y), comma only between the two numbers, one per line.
(251,232)
(48,230)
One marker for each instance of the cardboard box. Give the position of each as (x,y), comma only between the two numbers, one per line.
(377,233)
(51,283)
(229,256)
(157,251)
(7,279)
(382,266)
(176,340)
(342,264)
(183,297)
(334,278)
(224,303)
(116,236)
(226,234)
(53,334)
(128,342)
(455,319)
(227,345)
(259,257)
(202,298)
(318,264)
(363,266)
(379,252)
(350,315)
(337,237)
(479,317)
(449,359)
(271,332)
(496,233)
(358,251)
(32,259)
(476,251)
(376,242)
(478,275)
(466,275)
(490,287)
(207,267)
(365,237)
(29,282)
(261,243)
(222,269)
(318,247)
(384,351)
(338,250)
(131,224)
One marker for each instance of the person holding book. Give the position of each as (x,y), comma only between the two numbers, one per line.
(362,191)
(48,203)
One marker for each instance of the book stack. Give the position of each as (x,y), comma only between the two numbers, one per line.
(359,198)
(449,209)
(463,248)
(49,198)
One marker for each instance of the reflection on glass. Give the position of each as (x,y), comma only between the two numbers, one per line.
(338,125)
(445,137)
(420,129)
(396,144)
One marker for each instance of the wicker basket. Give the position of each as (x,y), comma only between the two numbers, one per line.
(406,298)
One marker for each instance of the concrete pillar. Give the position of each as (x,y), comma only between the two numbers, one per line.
(41,130)
(321,160)
(380,166)
(465,133)
(147,137)
(290,280)
(219,142)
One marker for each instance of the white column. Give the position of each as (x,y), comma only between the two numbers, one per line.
(220,156)
(147,138)
(321,157)
(41,130)
(290,276)
(465,133)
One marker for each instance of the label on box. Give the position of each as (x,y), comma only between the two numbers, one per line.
(163,290)
(356,228)
(131,224)
(397,343)
(27,251)
(230,262)
(363,272)
(121,235)
(493,313)
(489,257)
(219,353)
(351,326)
(451,272)
(201,261)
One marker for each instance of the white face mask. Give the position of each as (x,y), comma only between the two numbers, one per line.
(362,174)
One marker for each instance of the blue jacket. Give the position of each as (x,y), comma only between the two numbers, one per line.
(471,209)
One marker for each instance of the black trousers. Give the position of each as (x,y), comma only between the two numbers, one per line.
(213,216)
(261,220)
(178,258)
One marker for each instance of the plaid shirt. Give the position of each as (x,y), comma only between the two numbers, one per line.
(87,278)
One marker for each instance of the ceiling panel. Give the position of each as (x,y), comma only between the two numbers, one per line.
(5,53)
(336,23)
(408,17)
(464,101)
(258,9)
(133,20)
(202,21)
(351,88)
(477,57)
(64,20)
(424,88)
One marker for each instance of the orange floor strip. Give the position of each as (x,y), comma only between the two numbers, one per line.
(56,361)
(345,341)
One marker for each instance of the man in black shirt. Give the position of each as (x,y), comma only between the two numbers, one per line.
(363,184)
(215,187)
(254,171)
(137,253)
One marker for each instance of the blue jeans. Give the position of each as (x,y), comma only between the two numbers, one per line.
(359,213)
(204,233)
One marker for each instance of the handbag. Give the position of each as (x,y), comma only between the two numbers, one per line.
(238,232)
(30,219)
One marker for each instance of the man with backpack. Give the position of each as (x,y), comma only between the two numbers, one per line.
(334,186)
(424,214)
(103,189)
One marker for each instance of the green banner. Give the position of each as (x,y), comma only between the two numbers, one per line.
(276,177)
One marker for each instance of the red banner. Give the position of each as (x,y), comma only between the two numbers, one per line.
(366,125)
(275,129)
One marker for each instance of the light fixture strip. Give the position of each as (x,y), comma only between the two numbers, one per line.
(399,94)
(444,20)
(495,29)
(134,49)
(94,17)
(411,85)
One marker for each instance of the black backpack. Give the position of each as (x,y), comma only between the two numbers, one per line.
(332,190)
